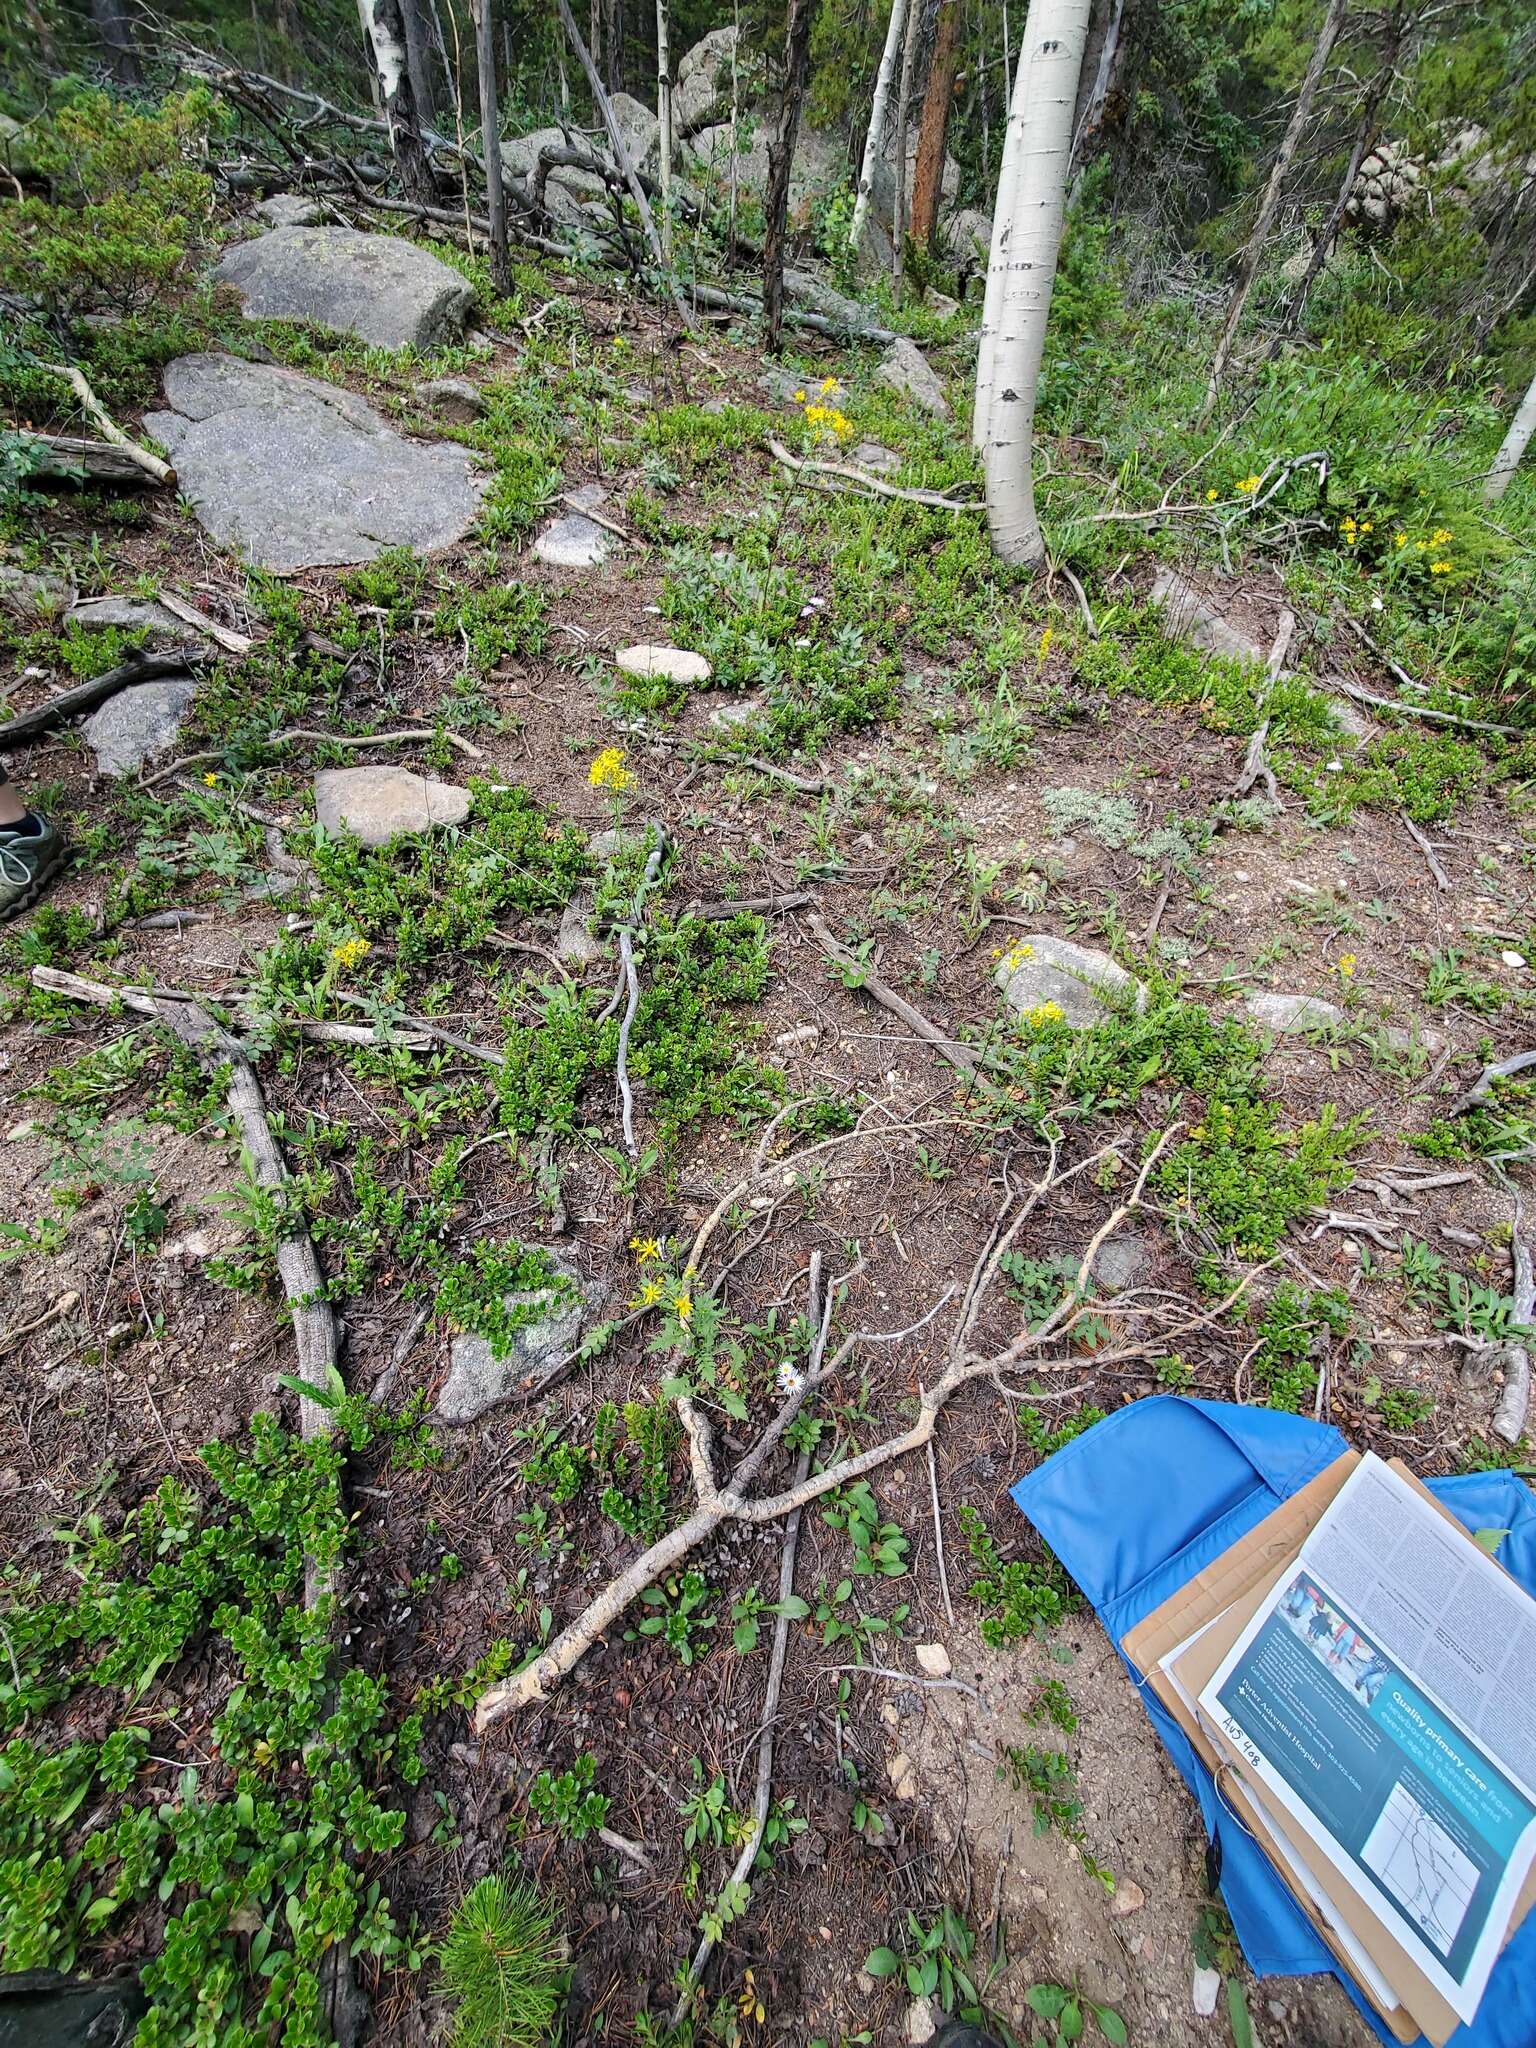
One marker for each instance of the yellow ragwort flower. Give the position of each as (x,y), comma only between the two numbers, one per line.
(682,1306)
(829,383)
(1249,484)
(1347,964)
(211,779)
(648,1296)
(1439,568)
(608,770)
(1045,643)
(1440,536)
(1399,540)
(1211,496)
(799,398)
(1043,1014)
(351,951)
(645,1249)
(1366,526)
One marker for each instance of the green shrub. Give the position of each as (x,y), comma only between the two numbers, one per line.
(503,1965)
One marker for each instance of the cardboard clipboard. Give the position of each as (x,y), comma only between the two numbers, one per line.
(1221,1600)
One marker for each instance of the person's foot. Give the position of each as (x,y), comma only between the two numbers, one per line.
(31,853)
(958,2034)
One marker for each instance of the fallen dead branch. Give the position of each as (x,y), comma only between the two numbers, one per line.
(1364,696)
(629,984)
(1482,1088)
(1509,1416)
(160,472)
(1043,1348)
(573,499)
(73,458)
(808,785)
(1256,766)
(1431,859)
(139,668)
(224,636)
(753,906)
(820,1317)
(876,486)
(300,735)
(954,1050)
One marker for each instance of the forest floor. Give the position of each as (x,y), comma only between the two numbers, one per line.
(974,765)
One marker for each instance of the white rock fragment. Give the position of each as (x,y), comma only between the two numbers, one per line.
(1204,1990)
(673,664)
(933,1659)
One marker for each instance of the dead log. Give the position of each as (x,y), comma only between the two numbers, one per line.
(72,459)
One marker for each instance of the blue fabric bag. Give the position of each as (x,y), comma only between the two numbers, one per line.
(1138,1504)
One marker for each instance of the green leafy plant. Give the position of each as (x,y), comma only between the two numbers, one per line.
(1021,1598)
(503,1965)
(566,1801)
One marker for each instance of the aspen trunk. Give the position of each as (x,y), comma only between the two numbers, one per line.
(877,118)
(1248,262)
(997,263)
(1516,441)
(664,121)
(490,143)
(384,34)
(928,173)
(1030,238)
(781,156)
(899,151)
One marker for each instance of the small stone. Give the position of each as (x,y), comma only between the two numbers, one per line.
(933,1659)
(456,398)
(288,210)
(672,664)
(574,943)
(138,723)
(875,457)
(864,1984)
(940,303)
(376,805)
(921,2024)
(1082,983)
(19,1131)
(137,615)
(574,542)
(802,1034)
(1204,1990)
(1121,1262)
(907,371)
(902,1775)
(735,711)
(1129,1898)
(30,597)
(1188,614)
(1287,1015)
(1512,958)
(889,1715)
(478,1379)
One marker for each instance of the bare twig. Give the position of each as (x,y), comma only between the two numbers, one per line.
(958,1054)
(1509,1416)
(938,501)
(91,405)
(1431,858)
(223,636)
(938,1534)
(1482,1087)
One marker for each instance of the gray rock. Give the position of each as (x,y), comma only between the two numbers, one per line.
(1085,985)
(568,193)
(1188,614)
(940,303)
(477,1379)
(1122,1262)
(574,943)
(377,287)
(781,386)
(871,455)
(640,129)
(703,90)
(674,664)
(1291,1015)
(298,474)
(574,542)
(30,597)
(967,233)
(735,711)
(288,210)
(456,398)
(136,724)
(376,805)
(820,161)
(137,615)
(908,371)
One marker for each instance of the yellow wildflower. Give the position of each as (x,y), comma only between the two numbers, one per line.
(351,951)
(682,1306)
(1211,496)
(799,398)
(1440,536)
(645,1249)
(1439,568)
(1249,484)
(1045,643)
(1016,955)
(829,383)
(1347,964)
(211,779)
(648,1296)
(1366,526)
(1043,1014)
(1399,540)
(608,770)
(1422,546)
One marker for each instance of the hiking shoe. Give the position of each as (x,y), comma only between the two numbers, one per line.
(28,863)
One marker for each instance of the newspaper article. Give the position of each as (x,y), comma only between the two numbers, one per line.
(1384,1695)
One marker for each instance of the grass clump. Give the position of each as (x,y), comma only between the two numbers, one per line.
(503,1965)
